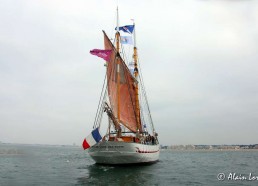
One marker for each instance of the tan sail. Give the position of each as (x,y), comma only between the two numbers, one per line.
(122,96)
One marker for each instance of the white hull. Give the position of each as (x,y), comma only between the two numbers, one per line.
(116,152)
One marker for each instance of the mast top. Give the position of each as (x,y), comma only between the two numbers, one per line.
(117,20)
(134,34)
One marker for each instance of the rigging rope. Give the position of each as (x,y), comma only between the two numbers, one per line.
(100,101)
(145,96)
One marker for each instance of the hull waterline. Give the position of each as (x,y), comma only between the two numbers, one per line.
(115,152)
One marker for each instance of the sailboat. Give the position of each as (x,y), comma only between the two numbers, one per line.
(130,136)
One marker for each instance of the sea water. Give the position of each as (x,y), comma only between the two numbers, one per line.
(70,165)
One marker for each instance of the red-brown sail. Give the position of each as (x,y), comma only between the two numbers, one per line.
(126,88)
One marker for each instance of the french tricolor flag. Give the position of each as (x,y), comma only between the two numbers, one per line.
(91,139)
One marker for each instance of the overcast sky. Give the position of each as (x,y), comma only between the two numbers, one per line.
(199,60)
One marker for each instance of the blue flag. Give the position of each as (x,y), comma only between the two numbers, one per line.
(126,40)
(127,28)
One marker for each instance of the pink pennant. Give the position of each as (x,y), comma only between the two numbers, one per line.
(104,54)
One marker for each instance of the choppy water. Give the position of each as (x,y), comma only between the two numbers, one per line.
(55,165)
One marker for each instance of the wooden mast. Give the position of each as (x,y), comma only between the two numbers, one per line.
(118,73)
(136,74)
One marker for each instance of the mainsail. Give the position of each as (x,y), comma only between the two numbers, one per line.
(122,98)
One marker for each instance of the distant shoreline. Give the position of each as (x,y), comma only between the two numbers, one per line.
(167,148)
(211,147)
(209,150)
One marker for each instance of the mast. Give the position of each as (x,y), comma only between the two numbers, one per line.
(136,74)
(118,70)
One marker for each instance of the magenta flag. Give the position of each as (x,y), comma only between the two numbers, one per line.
(104,54)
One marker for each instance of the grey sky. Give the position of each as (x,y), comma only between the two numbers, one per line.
(199,62)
